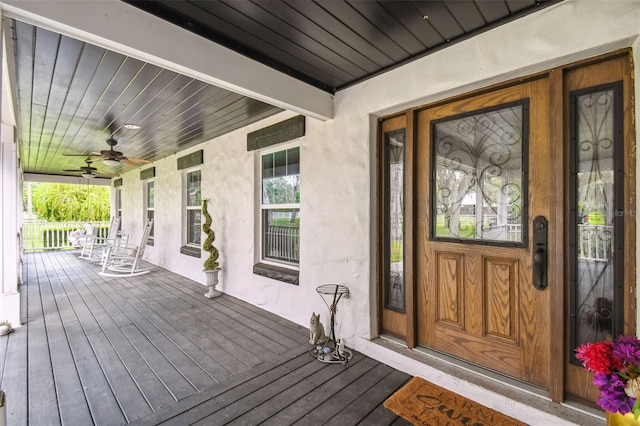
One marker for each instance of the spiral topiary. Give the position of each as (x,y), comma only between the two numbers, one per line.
(212,261)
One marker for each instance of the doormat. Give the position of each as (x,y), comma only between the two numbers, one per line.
(423,403)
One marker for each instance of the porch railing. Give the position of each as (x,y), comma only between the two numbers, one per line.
(43,235)
(595,242)
(282,243)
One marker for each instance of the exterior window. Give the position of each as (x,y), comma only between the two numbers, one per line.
(193,208)
(119,206)
(280,205)
(150,205)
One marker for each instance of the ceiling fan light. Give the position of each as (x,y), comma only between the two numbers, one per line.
(88,175)
(110,162)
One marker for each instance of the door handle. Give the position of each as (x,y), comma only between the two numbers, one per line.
(540,256)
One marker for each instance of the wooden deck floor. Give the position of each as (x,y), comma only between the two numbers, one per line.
(152,349)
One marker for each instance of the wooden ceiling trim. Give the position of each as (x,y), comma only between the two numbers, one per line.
(441,19)
(195,17)
(154,40)
(384,18)
(61,80)
(493,11)
(414,21)
(88,115)
(516,6)
(469,18)
(363,51)
(305,35)
(72,95)
(346,13)
(76,104)
(255,33)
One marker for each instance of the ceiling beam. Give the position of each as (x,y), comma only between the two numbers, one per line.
(117,26)
(72,180)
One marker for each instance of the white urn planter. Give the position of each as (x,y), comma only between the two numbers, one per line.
(212,281)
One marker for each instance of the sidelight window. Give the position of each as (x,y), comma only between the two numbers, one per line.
(394,151)
(597,214)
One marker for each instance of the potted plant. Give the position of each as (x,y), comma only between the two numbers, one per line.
(211,265)
(615,365)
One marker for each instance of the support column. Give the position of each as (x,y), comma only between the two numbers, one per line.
(10,204)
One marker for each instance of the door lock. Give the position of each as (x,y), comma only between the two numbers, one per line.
(540,255)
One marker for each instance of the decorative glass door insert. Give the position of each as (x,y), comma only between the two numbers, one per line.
(479,190)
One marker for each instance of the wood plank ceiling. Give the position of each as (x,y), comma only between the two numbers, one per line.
(72,96)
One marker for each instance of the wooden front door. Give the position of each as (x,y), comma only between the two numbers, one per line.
(485,173)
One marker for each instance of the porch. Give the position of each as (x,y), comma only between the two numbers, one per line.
(152,348)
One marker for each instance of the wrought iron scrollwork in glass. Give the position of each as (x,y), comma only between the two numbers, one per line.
(479,169)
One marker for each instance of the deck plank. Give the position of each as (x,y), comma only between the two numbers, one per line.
(250,339)
(282,325)
(257,322)
(230,340)
(260,395)
(372,399)
(103,404)
(159,317)
(178,385)
(180,408)
(128,396)
(43,405)
(14,379)
(309,402)
(341,399)
(233,396)
(152,388)
(57,307)
(174,355)
(296,390)
(126,392)
(153,350)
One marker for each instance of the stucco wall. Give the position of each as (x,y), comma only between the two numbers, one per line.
(337,163)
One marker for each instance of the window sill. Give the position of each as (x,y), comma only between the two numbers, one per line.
(277,273)
(191,251)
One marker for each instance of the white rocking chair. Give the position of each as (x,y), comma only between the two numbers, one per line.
(123,260)
(93,241)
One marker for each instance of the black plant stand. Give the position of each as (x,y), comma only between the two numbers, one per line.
(332,351)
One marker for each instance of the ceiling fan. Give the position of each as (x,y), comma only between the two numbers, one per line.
(90,172)
(112,158)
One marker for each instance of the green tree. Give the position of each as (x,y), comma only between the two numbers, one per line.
(57,202)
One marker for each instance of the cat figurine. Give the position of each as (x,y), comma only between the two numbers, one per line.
(316,330)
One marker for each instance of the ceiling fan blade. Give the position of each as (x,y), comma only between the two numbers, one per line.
(136,161)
